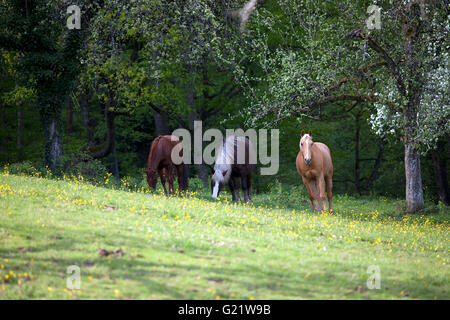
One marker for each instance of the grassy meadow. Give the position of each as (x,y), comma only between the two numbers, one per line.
(192,247)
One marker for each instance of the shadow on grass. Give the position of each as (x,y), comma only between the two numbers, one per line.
(164,272)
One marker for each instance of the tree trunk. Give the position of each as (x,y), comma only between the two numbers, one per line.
(4,141)
(53,136)
(69,115)
(114,163)
(440,173)
(414,192)
(412,33)
(20,133)
(203,174)
(161,123)
(377,165)
(87,122)
(108,146)
(201,169)
(357,167)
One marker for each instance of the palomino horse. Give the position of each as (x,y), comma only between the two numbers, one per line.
(160,160)
(315,166)
(235,159)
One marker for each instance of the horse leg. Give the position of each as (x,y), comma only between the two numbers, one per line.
(321,199)
(329,192)
(249,182)
(170,179)
(238,193)
(163,179)
(244,187)
(311,192)
(231,184)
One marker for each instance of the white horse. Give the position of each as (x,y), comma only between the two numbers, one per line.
(235,159)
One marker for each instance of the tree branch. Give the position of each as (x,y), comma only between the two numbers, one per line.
(392,66)
(178,119)
(356,98)
(377,165)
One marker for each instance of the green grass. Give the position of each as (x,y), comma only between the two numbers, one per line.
(195,248)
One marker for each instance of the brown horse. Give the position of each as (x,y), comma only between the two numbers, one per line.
(315,166)
(235,159)
(160,160)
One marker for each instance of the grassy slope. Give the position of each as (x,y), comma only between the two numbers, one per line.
(182,248)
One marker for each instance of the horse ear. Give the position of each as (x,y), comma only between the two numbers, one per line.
(303,133)
(310,133)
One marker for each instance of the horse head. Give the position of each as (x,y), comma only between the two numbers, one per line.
(151,178)
(306,143)
(217,180)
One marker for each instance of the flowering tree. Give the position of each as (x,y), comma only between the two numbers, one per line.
(313,54)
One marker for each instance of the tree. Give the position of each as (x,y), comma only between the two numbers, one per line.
(159,56)
(327,54)
(48,62)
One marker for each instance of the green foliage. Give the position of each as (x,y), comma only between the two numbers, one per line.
(23,168)
(47,65)
(82,164)
(196,185)
(191,60)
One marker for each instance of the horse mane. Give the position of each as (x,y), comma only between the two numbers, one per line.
(151,157)
(226,157)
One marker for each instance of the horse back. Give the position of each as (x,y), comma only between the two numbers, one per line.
(161,151)
(171,140)
(241,144)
